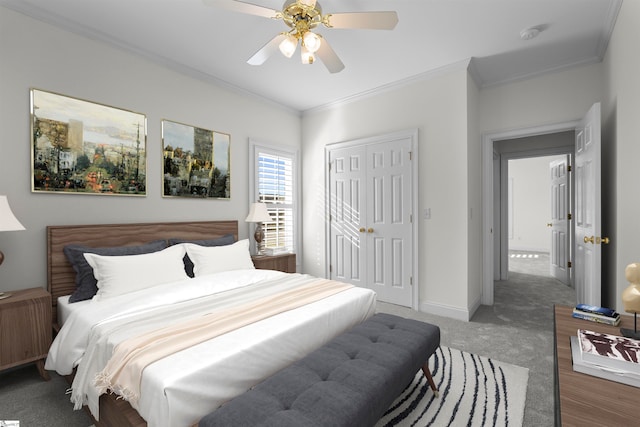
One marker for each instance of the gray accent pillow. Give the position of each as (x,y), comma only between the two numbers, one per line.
(227,239)
(86,283)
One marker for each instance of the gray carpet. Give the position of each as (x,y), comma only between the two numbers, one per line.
(518,329)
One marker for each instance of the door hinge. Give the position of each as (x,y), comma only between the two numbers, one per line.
(569,216)
(569,168)
(329,166)
(410,155)
(568,264)
(411,280)
(330,268)
(411,218)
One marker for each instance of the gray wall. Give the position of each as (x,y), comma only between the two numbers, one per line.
(34,54)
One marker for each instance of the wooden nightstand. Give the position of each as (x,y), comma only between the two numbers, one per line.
(25,329)
(282,262)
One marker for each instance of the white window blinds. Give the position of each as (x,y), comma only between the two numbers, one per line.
(276,189)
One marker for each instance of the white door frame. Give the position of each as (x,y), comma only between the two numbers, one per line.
(413,135)
(488,196)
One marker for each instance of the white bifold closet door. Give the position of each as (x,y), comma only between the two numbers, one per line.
(371,237)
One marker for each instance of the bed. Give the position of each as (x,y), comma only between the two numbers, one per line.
(181,388)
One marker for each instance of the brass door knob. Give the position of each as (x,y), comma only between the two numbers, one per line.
(369,230)
(603,240)
(361,229)
(549,224)
(589,239)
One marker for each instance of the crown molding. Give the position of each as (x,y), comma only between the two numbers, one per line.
(429,75)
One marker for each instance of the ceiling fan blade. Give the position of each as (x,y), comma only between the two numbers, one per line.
(329,57)
(244,7)
(363,20)
(267,50)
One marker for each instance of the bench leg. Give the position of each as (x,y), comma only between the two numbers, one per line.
(427,374)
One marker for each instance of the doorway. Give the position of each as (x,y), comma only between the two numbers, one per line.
(538,200)
(555,139)
(587,222)
(521,222)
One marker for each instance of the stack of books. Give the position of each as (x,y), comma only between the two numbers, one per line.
(607,356)
(596,314)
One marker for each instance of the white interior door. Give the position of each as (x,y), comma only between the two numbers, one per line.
(389,220)
(560,223)
(347,177)
(371,224)
(587,221)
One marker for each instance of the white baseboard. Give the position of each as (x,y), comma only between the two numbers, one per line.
(444,310)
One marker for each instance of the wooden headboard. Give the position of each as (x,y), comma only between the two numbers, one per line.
(60,274)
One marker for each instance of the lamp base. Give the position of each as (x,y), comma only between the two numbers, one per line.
(630,333)
(259,236)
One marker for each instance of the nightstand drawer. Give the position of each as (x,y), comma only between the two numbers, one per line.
(282,262)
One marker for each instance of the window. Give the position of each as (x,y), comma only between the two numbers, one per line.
(275,185)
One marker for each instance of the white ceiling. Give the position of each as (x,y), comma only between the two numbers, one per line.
(214,44)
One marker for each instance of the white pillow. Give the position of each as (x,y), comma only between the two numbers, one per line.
(117,275)
(215,259)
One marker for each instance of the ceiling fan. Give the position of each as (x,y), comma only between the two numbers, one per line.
(302,16)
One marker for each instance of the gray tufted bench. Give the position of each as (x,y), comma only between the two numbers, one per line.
(350,381)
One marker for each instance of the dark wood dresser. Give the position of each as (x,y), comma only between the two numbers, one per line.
(585,400)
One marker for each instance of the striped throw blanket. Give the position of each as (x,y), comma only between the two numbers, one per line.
(122,374)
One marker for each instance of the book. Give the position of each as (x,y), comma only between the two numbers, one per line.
(613,321)
(579,365)
(610,351)
(602,311)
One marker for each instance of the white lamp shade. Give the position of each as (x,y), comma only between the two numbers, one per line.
(258,213)
(8,221)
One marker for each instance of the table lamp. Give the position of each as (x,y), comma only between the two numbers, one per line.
(8,221)
(631,299)
(258,213)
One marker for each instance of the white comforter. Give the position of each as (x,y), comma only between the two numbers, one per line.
(178,390)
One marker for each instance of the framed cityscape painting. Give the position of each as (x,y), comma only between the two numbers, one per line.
(196,162)
(81,147)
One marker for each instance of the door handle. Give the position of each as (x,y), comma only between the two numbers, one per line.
(589,239)
(361,229)
(603,240)
(549,224)
(369,230)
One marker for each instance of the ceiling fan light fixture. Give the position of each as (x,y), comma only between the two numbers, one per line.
(307,56)
(288,45)
(311,41)
(308,3)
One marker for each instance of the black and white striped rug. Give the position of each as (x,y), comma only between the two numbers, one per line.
(474,391)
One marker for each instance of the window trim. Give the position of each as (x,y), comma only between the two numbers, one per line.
(255,146)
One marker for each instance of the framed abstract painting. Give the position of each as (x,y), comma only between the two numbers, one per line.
(82,147)
(196,162)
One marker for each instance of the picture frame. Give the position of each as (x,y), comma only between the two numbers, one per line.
(83,147)
(196,162)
